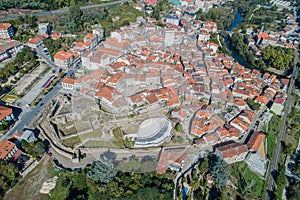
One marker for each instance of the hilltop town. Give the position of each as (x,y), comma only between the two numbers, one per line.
(156,94)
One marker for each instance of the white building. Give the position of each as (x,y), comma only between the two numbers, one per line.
(63,59)
(173,19)
(44,28)
(28,135)
(68,83)
(153,132)
(6,31)
(9,49)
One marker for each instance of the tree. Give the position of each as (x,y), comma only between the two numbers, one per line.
(253,105)
(217,169)
(39,148)
(287,148)
(277,57)
(8,177)
(4,125)
(178,127)
(75,18)
(103,171)
(24,144)
(293,190)
(78,189)
(281,182)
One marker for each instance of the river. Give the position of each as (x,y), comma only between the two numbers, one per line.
(238,19)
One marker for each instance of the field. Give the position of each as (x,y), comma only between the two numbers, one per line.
(29,186)
(9,98)
(272,134)
(95,139)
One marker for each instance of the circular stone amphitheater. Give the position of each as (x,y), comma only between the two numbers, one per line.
(153,132)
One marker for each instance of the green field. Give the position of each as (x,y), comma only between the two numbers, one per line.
(71,142)
(9,98)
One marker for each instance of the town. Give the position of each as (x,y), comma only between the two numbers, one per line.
(156,89)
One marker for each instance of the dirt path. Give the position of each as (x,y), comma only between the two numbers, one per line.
(28,187)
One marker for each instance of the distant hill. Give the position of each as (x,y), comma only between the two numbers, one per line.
(42,4)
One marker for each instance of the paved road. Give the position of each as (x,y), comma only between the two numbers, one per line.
(27,117)
(40,52)
(276,157)
(65,10)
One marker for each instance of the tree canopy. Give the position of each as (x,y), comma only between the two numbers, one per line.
(103,171)
(217,169)
(8,177)
(277,57)
(25,56)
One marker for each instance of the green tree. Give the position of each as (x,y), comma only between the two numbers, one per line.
(24,144)
(75,18)
(78,189)
(103,171)
(287,148)
(217,169)
(281,182)
(293,190)
(253,105)
(178,127)
(8,177)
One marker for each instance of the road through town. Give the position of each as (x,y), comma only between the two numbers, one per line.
(65,10)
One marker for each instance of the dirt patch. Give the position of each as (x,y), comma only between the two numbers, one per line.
(29,186)
(13,12)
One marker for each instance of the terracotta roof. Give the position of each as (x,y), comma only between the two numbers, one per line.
(262,99)
(232,149)
(137,98)
(255,141)
(5,147)
(263,35)
(68,80)
(4,26)
(9,45)
(88,43)
(62,55)
(168,156)
(89,35)
(56,35)
(241,123)
(4,112)
(108,51)
(285,81)
(240,102)
(79,44)
(35,40)
(107,93)
(151,98)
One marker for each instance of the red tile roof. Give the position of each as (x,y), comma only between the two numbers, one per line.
(262,100)
(255,141)
(232,149)
(5,147)
(89,36)
(151,98)
(167,156)
(4,26)
(263,35)
(62,55)
(68,80)
(56,35)
(4,112)
(35,40)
